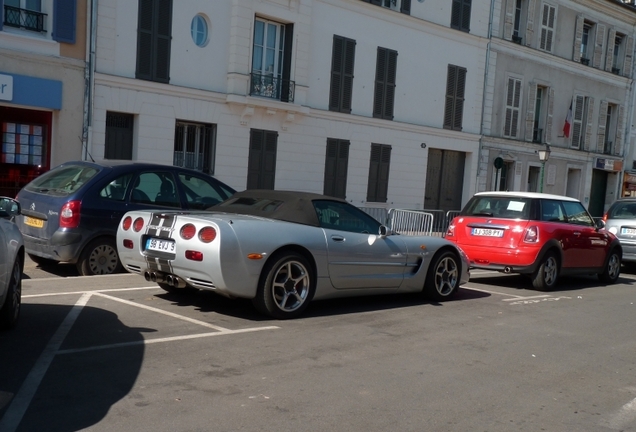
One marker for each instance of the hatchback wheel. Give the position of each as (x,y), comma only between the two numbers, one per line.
(612,268)
(11,309)
(99,258)
(545,277)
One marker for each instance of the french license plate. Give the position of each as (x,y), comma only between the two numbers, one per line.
(159,245)
(628,231)
(486,232)
(38,223)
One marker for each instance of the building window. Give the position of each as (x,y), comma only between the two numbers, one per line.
(455,87)
(194,146)
(199,30)
(608,142)
(505,180)
(154,36)
(379,173)
(540,108)
(586,41)
(385,72)
(547,27)
(517,35)
(578,116)
(533,178)
(25,14)
(616,53)
(460,15)
(403,6)
(271,60)
(261,168)
(513,104)
(336,164)
(119,136)
(342,63)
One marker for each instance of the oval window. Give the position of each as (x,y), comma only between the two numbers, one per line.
(199,30)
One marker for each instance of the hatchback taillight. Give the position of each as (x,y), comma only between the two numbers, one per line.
(531,235)
(450,232)
(70,214)
(605,217)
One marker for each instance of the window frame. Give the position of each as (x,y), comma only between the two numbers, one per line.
(461,15)
(513,107)
(203,148)
(548,27)
(154,40)
(455,97)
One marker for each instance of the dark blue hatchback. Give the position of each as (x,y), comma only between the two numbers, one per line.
(71,213)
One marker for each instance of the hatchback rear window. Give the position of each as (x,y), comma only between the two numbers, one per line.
(62,180)
(622,210)
(497,206)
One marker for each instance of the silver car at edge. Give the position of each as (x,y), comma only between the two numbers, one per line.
(620,220)
(283,249)
(11,264)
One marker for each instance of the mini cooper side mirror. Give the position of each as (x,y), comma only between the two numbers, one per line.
(9,208)
(600,223)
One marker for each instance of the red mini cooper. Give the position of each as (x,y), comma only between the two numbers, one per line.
(537,234)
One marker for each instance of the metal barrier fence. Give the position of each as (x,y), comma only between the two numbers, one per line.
(413,222)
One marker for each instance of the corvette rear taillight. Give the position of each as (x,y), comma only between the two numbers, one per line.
(207,234)
(188,231)
(531,235)
(70,214)
(138,224)
(126,223)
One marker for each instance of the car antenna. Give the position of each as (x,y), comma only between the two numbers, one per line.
(86,148)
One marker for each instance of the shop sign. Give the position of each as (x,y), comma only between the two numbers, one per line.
(608,164)
(629,178)
(6,87)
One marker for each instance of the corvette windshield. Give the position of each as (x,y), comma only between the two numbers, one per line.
(499,207)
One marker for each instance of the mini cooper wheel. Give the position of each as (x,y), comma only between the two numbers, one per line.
(286,286)
(99,257)
(442,280)
(612,268)
(11,309)
(545,277)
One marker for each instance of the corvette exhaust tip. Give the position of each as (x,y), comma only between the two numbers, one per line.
(147,276)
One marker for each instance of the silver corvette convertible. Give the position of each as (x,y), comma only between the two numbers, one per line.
(283,249)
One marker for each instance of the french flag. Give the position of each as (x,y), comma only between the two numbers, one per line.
(568,122)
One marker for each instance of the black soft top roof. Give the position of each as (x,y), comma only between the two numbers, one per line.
(290,206)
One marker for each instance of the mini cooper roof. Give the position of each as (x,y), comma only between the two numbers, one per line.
(290,206)
(527,195)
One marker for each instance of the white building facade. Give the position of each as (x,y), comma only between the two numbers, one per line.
(378,101)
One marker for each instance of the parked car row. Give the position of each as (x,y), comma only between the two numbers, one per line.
(283,249)
(11,263)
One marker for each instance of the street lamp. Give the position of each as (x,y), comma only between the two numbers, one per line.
(544,155)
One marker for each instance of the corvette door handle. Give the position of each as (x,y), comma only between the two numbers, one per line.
(337,238)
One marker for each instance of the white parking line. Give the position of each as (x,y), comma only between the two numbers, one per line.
(624,416)
(493,292)
(84,291)
(528,298)
(13,416)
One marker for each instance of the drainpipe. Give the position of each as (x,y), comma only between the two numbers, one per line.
(483,98)
(89,82)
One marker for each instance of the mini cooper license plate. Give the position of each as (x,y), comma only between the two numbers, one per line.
(486,232)
(38,223)
(159,245)
(628,231)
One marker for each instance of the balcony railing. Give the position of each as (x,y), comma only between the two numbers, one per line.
(517,39)
(272,87)
(607,149)
(24,18)
(537,135)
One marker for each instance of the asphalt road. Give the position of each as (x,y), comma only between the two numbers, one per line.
(114,353)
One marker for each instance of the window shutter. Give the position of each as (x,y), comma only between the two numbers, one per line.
(629,52)
(389,97)
(588,124)
(602,121)
(255,157)
(458,112)
(1,13)
(163,39)
(599,41)
(383,175)
(530,22)
(331,164)
(577,121)
(548,124)
(578,38)
(347,78)
(466,15)
(405,7)
(512,107)
(341,169)
(64,17)
(287,57)
(456,14)
(450,96)
(380,82)
(509,19)
(268,174)
(532,100)
(609,54)
(144,40)
(337,53)
(374,165)
(618,145)
(547,27)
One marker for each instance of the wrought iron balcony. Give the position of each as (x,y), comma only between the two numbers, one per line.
(607,149)
(585,61)
(517,39)
(537,135)
(24,18)
(271,87)
(616,71)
